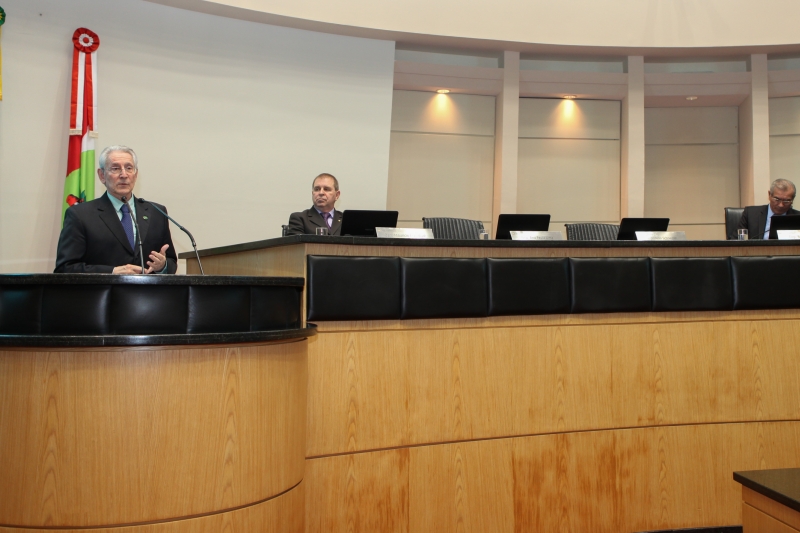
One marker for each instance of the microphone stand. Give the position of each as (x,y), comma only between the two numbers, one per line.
(138,236)
(186,231)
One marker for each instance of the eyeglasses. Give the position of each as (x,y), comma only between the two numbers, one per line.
(782,201)
(115,170)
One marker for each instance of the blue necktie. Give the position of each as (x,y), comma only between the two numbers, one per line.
(127,224)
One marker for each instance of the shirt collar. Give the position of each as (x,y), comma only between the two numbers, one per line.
(117,203)
(318,211)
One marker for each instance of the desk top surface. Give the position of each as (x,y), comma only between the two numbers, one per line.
(372,241)
(781,485)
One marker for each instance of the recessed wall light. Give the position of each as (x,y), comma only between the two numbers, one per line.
(691,98)
(570,96)
(443,91)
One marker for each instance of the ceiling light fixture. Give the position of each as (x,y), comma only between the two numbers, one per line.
(691,98)
(570,96)
(443,91)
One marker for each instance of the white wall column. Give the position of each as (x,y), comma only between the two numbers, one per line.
(632,142)
(506,139)
(754,173)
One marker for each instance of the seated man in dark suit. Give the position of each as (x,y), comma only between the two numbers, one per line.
(99,236)
(756,219)
(324,193)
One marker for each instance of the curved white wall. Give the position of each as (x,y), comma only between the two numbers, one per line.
(591,23)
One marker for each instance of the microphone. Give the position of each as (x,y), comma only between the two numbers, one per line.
(186,231)
(138,236)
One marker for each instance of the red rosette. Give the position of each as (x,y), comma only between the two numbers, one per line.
(85,40)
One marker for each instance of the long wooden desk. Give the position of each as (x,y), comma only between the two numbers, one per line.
(770,500)
(597,422)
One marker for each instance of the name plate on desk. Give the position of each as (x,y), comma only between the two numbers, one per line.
(536,236)
(660,235)
(788,234)
(404,233)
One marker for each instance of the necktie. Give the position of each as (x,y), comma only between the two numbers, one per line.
(127,224)
(329,219)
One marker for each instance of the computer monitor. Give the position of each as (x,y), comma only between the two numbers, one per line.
(629,226)
(783,222)
(362,223)
(508,223)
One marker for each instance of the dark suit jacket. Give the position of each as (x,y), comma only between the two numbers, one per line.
(754,220)
(92,239)
(306,222)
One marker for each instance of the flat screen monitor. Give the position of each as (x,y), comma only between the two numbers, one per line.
(362,223)
(508,223)
(629,226)
(783,222)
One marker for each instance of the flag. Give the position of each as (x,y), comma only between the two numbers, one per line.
(2,21)
(79,186)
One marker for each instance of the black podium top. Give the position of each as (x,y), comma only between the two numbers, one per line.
(109,310)
(781,485)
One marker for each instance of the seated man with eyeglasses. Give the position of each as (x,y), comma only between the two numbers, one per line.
(756,219)
(101,236)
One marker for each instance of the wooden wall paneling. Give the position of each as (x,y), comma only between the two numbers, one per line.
(359,493)
(283,514)
(115,436)
(280,261)
(462,487)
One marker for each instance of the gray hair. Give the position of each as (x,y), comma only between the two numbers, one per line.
(104,155)
(326,175)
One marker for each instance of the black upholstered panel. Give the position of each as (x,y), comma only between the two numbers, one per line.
(608,285)
(443,288)
(765,282)
(528,286)
(218,309)
(692,284)
(20,309)
(732,217)
(353,288)
(274,308)
(75,309)
(149,309)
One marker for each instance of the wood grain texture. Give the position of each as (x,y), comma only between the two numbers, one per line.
(381,389)
(116,436)
(616,481)
(770,507)
(283,514)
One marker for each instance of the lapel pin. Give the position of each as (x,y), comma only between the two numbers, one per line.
(145,217)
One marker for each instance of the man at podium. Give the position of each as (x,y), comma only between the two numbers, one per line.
(324,193)
(102,236)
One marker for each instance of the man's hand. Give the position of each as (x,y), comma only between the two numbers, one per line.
(127,269)
(157,260)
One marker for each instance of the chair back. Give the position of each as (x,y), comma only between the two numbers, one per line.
(453,228)
(592,232)
(284,230)
(732,217)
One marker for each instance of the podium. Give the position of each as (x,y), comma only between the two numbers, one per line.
(152,403)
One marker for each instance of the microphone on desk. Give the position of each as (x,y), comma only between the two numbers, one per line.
(186,231)
(138,235)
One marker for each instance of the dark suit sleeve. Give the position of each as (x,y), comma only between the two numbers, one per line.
(743,222)
(72,248)
(296,226)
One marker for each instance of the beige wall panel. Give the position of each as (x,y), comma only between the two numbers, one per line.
(547,118)
(573,180)
(784,116)
(95,437)
(702,232)
(425,112)
(691,184)
(691,125)
(283,514)
(462,487)
(358,493)
(379,389)
(441,176)
(784,162)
